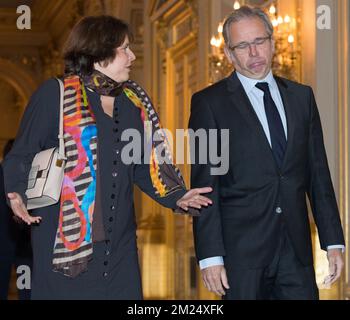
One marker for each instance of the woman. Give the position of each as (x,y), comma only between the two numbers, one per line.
(85,246)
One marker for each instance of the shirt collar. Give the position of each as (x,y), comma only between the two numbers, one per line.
(249,83)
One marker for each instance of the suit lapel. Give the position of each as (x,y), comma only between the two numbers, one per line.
(289,100)
(240,101)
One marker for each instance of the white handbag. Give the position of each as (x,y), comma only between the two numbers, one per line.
(47,171)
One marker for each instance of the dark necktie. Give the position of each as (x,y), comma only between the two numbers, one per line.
(278,137)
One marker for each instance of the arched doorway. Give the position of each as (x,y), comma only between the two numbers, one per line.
(16,87)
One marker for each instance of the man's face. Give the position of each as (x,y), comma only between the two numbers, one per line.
(253,61)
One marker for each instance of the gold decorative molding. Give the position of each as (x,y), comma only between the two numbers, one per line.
(11,106)
(172,29)
(193,6)
(162,33)
(177,23)
(159,7)
(19,78)
(136,24)
(187,23)
(344,113)
(182,82)
(45,13)
(52,62)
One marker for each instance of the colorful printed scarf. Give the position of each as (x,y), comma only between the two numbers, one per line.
(166,177)
(74,244)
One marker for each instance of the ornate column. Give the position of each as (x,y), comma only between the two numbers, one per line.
(172,76)
(332,94)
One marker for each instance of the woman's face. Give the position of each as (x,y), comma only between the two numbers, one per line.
(120,67)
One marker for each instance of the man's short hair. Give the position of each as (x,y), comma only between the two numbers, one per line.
(245,12)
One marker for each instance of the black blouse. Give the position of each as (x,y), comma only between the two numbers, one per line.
(113,272)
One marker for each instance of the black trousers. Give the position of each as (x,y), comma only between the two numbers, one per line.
(285,278)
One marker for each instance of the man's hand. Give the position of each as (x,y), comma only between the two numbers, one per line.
(20,210)
(215,279)
(336,264)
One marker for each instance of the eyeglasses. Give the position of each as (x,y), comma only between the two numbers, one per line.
(243,46)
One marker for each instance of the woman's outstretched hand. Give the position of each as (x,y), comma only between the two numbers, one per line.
(194,199)
(20,210)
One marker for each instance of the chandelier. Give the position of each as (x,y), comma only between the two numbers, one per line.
(286,61)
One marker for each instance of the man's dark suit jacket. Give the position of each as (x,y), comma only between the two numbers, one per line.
(244,222)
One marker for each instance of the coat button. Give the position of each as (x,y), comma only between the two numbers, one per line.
(105,263)
(112,208)
(114,174)
(110,219)
(107,253)
(105,274)
(278,210)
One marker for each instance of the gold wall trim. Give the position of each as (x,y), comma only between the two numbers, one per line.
(20,79)
(158,12)
(343,109)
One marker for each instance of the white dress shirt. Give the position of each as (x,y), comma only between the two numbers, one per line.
(256,98)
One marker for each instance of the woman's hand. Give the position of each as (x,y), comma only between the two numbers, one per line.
(194,199)
(20,210)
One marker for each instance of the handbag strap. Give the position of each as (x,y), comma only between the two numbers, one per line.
(61,151)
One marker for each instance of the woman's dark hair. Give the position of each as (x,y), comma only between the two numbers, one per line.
(93,39)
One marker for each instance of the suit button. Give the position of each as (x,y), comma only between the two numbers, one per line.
(105,263)
(110,219)
(105,274)
(114,174)
(107,253)
(112,208)
(278,210)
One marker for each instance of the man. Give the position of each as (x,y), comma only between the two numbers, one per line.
(254,241)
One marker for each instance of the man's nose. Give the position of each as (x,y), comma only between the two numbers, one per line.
(253,52)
